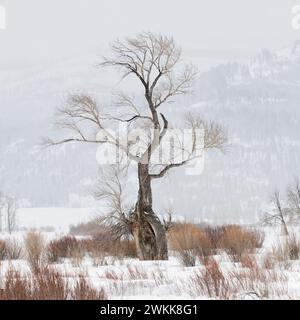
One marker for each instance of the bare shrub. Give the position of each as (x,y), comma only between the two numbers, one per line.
(269,261)
(292,247)
(104,239)
(215,235)
(160,277)
(252,282)
(99,246)
(190,242)
(106,243)
(53,252)
(89,228)
(98,258)
(211,281)
(72,248)
(204,248)
(289,249)
(237,241)
(66,247)
(46,284)
(77,256)
(112,275)
(258,283)
(91,248)
(83,291)
(248,261)
(96,254)
(14,250)
(15,287)
(258,238)
(3,250)
(126,248)
(136,273)
(69,246)
(35,250)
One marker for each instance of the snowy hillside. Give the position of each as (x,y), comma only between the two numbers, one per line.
(257,101)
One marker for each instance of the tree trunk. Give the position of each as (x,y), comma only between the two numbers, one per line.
(285,229)
(148,231)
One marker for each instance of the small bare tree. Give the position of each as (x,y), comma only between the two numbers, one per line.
(293,197)
(11,210)
(8,212)
(1,208)
(154,61)
(110,188)
(168,219)
(278,215)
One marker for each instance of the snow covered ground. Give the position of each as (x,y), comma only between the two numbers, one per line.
(59,219)
(125,278)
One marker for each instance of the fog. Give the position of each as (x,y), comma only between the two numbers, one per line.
(50,48)
(214,30)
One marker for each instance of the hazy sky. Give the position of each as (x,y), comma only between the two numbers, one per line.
(212,29)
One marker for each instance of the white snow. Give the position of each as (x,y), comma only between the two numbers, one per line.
(58,218)
(150,279)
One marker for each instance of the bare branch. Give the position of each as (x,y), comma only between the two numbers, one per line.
(110,189)
(153,59)
(174,86)
(293,196)
(214,138)
(278,214)
(79,116)
(125,101)
(168,222)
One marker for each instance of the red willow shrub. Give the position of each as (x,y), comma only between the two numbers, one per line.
(46,284)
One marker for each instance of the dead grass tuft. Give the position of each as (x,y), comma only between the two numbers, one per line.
(35,250)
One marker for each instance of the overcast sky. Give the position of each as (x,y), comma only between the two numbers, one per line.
(210,29)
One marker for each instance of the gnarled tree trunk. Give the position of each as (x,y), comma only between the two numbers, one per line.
(148,231)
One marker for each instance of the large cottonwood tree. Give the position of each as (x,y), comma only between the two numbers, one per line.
(155,62)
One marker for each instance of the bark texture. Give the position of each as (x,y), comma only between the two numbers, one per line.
(148,231)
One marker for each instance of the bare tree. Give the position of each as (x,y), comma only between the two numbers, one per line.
(1,208)
(293,197)
(11,210)
(110,188)
(278,215)
(154,61)
(8,209)
(168,220)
